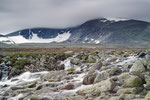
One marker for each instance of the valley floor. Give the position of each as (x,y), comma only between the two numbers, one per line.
(77,73)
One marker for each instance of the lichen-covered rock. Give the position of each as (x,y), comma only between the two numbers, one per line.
(76,61)
(67,86)
(89,78)
(133,81)
(144,61)
(130,80)
(137,67)
(54,76)
(92,58)
(103,75)
(147,97)
(97,65)
(129,90)
(115,71)
(103,86)
(114,98)
(14,72)
(73,98)
(126,96)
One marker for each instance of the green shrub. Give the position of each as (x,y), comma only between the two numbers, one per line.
(71,69)
(20,63)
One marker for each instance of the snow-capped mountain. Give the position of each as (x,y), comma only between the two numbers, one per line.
(104,31)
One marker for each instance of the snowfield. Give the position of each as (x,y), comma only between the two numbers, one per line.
(35,39)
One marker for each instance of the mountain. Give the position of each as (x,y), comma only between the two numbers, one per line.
(103,31)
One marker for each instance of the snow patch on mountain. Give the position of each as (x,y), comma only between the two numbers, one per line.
(59,38)
(117,19)
(35,39)
(6,40)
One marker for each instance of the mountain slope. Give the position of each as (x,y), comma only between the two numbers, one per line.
(104,31)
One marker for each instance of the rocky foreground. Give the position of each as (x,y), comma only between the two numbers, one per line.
(94,75)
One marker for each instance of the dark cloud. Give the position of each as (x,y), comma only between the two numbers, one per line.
(21,14)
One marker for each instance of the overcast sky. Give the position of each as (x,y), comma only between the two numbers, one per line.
(21,14)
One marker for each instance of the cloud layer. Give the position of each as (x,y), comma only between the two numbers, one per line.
(21,14)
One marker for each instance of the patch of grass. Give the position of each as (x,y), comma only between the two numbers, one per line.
(71,70)
(20,63)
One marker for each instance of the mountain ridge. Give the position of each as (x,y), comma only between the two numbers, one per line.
(104,31)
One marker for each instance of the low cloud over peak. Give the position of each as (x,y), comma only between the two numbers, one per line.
(21,14)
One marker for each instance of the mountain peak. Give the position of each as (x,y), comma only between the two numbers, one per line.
(103,30)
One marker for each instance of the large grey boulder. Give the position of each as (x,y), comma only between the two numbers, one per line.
(97,65)
(103,75)
(54,76)
(89,78)
(92,58)
(137,67)
(130,80)
(103,86)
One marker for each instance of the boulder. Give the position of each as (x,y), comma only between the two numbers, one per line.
(75,61)
(126,97)
(97,65)
(130,80)
(67,86)
(53,76)
(115,71)
(9,63)
(14,72)
(78,97)
(103,75)
(48,84)
(92,58)
(89,78)
(144,61)
(137,67)
(114,98)
(103,86)
(147,97)
(129,90)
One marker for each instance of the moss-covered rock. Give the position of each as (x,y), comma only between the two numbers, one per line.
(129,90)
(133,81)
(130,80)
(137,67)
(147,97)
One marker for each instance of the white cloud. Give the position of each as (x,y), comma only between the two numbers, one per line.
(21,14)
